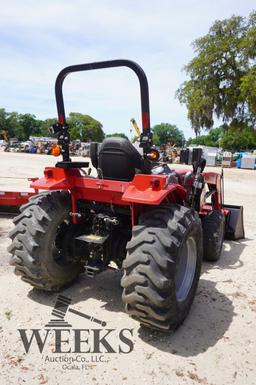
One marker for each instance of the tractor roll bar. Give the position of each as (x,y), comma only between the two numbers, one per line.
(99,65)
(62,129)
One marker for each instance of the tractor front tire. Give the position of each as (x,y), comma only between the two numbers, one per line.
(213,235)
(41,242)
(162,266)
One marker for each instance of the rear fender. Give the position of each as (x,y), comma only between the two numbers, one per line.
(214,179)
(56,179)
(153,190)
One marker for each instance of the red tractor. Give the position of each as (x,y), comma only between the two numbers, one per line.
(154,222)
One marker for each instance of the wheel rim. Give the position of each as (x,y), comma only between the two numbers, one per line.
(185,269)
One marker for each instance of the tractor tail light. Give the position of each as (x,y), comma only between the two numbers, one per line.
(56,150)
(155,183)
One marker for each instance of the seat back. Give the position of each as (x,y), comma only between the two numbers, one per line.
(94,149)
(119,159)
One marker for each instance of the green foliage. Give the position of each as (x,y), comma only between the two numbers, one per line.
(167,133)
(236,140)
(29,125)
(118,134)
(248,89)
(222,75)
(17,125)
(8,121)
(85,128)
(212,139)
(3,117)
(44,126)
(229,138)
(22,126)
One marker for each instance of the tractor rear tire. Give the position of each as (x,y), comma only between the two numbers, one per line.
(41,243)
(213,235)
(162,266)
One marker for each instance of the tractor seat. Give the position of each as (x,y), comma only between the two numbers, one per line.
(118,159)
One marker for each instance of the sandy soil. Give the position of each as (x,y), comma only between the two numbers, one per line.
(216,345)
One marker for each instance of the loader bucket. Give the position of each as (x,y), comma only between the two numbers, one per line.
(234,222)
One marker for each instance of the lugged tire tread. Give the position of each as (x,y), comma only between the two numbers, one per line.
(211,225)
(28,236)
(151,255)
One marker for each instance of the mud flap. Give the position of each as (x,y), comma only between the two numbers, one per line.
(234,222)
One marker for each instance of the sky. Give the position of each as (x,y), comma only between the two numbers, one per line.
(39,38)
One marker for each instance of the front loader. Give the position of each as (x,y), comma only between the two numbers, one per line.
(154,222)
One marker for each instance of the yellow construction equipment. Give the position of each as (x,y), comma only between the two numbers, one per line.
(4,134)
(136,127)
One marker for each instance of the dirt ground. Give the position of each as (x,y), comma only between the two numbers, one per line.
(216,345)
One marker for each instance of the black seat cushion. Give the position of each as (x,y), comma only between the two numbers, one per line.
(119,160)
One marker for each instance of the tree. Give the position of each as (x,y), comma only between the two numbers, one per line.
(17,125)
(22,126)
(9,121)
(3,117)
(85,128)
(167,133)
(237,140)
(212,139)
(222,75)
(118,134)
(45,125)
(29,126)
(228,138)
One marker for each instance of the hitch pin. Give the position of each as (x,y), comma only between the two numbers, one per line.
(113,221)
